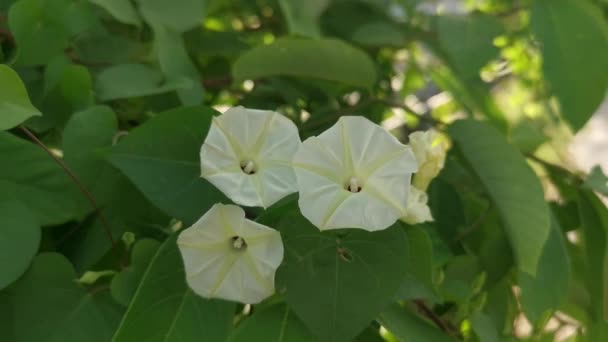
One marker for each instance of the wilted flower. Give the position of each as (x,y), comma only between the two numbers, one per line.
(417,210)
(247,155)
(227,256)
(354,175)
(430,155)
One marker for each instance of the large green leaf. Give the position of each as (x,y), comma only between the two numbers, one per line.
(165,309)
(597,181)
(28,174)
(303,16)
(49,305)
(573,35)
(594,219)
(179,15)
(407,326)
(19,240)
(276,323)
(86,140)
(512,186)
(468,41)
(161,157)
(351,274)
(325,59)
(122,10)
(15,105)
(537,299)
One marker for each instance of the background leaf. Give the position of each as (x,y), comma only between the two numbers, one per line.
(15,105)
(276,323)
(406,326)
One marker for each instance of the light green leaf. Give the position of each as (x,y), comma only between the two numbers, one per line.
(597,181)
(50,306)
(594,219)
(573,35)
(484,327)
(303,16)
(164,309)
(122,10)
(29,175)
(379,34)
(468,41)
(325,59)
(125,283)
(276,323)
(407,326)
(132,80)
(15,105)
(176,64)
(161,157)
(538,300)
(352,275)
(19,240)
(39,28)
(512,186)
(178,15)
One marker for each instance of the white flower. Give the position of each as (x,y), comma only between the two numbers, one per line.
(354,175)
(430,155)
(227,256)
(247,155)
(417,210)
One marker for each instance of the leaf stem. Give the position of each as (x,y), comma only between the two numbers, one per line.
(430,314)
(81,187)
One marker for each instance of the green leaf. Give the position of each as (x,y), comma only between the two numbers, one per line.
(512,186)
(597,181)
(180,15)
(325,59)
(484,327)
(125,283)
(29,175)
(421,255)
(39,28)
(573,36)
(468,41)
(352,274)
(19,240)
(15,105)
(165,309)
(77,86)
(407,326)
(132,80)
(86,140)
(49,305)
(122,10)
(176,64)
(538,300)
(161,157)
(276,323)
(594,219)
(303,16)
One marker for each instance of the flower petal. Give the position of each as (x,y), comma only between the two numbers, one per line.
(214,268)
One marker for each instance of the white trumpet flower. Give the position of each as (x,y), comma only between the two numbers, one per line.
(417,210)
(247,155)
(354,175)
(430,155)
(229,257)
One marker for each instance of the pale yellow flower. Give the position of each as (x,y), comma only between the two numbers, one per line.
(430,155)
(417,210)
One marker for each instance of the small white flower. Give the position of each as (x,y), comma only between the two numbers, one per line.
(227,256)
(247,155)
(354,175)
(430,155)
(417,210)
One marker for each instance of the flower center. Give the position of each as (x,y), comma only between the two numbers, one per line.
(249,167)
(238,243)
(353,185)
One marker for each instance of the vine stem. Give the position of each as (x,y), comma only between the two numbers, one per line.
(87,194)
(432,315)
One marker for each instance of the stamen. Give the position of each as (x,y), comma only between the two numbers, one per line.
(238,242)
(248,167)
(353,185)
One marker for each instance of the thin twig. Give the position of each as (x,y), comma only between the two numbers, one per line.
(430,314)
(79,184)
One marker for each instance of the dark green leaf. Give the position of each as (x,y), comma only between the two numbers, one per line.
(19,240)
(15,105)
(164,309)
(326,59)
(484,327)
(573,35)
(352,275)
(122,10)
(407,326)
(179,15)
(276,323)
(302,16)
(512,186)
(161,158)
(597,181)
(49,305)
